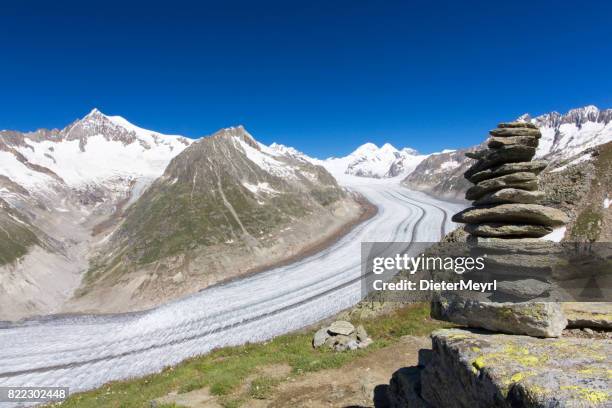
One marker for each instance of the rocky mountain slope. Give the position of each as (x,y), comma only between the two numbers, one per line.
(370,160)
(564,137)
(98,205)
(225,206)
(55,187)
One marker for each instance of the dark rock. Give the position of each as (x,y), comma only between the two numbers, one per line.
(405,388)
(534,167)
(511,195)
(497,142)
(512,213)
(507,230)
(522,180)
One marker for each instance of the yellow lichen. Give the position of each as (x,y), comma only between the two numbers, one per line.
(479,363)
(517,377)
(588,394)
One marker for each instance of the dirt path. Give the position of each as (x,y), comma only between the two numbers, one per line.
(360,383)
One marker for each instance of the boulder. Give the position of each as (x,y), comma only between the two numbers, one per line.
(471,369)
(508,154)
(511,195)
(512,213)
(507,230)
(535,167)
(517,125)
(497,142)
(539,319)
(341,327)
(320,337)
(522,180)
(514,132)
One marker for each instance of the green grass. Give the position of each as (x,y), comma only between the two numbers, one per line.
(15,239)
(224,370)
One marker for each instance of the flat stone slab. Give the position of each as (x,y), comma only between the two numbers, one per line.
(513,213)
(492,157)
(597,315)
(495,142)
(507,230)
(516,131)
(341,327)
(535,167)
(511,196)
(521,180)
(517,125)
(471,369)
(540,319)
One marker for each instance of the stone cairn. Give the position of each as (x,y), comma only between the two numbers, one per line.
(340,336)
(505,194)
(510,365)
(506,217)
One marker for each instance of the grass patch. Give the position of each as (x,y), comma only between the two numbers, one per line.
(262,387)
(224,370)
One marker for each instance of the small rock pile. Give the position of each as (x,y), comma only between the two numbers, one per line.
(340,336)
(505,194)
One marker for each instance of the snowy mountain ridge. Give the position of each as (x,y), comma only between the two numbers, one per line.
(369,160)
(564,135)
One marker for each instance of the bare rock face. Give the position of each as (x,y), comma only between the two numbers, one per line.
(481,370)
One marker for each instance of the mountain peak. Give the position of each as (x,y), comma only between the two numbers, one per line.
(365,148)
(95,112)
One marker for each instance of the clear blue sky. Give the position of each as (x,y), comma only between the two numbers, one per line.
(322,76)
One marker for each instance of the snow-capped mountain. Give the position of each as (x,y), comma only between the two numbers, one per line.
(95,150)
(565,135)
(105,215)
(370,160)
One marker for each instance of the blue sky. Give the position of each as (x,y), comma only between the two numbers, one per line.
(322,76)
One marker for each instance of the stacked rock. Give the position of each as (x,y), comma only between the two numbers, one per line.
(340,336)
(505,194)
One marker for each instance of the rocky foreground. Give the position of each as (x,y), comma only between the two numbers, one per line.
(472,369)
(531,364)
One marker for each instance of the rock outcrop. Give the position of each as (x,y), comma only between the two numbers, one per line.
(470,369)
